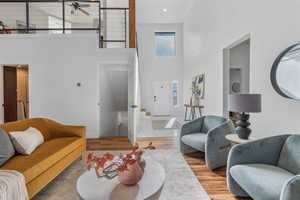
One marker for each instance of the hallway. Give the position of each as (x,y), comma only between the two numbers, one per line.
(158,126)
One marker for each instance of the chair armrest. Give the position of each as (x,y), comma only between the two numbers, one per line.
(217,146)
(291,189)
(221,131)
(216,137)
(192,127)
(264,151)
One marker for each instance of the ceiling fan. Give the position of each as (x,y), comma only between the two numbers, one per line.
(78,7)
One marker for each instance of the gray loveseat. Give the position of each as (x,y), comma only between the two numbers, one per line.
(266,169)
(207,134)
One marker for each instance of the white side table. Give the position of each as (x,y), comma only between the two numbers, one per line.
(89,187)
(234,138)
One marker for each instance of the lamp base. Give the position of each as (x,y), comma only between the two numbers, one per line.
(242,129)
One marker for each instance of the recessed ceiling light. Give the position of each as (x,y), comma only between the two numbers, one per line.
(165,10)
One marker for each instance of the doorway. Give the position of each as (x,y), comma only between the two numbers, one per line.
(236,71)
(113,101)
(15,92)
(161,98)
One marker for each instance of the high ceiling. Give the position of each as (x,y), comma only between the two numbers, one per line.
(153,11)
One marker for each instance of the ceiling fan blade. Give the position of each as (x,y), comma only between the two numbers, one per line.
(83,11)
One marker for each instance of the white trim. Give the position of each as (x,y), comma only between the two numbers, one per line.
(239,41)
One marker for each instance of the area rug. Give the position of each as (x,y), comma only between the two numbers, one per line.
(181,183)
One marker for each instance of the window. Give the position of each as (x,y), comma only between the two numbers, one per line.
(165,43)
(174,90)
(54,22)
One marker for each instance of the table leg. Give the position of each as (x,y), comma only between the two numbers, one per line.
(193,113)
(185,114)
(200,111)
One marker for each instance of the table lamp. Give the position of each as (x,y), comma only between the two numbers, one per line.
(244,104)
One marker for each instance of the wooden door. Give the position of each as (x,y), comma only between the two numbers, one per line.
(22,88)
(10,93)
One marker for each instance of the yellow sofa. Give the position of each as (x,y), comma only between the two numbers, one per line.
(62,146)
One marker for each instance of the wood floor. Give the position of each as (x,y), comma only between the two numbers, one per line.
(214,182)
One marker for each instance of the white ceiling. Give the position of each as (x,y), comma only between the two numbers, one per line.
(151,11)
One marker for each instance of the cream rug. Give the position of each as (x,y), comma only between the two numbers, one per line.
(181,183)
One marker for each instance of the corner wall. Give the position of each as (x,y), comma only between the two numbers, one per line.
(211,26)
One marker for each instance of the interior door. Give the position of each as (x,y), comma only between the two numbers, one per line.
(113,101)
(133,100)
(10,93)
(161,98)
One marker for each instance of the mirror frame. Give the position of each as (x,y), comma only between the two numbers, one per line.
(274,71)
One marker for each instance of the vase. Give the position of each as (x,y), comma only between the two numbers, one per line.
(133,174)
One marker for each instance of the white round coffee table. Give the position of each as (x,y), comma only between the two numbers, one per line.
(89,187)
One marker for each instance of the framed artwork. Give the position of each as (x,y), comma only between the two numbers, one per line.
(198,86)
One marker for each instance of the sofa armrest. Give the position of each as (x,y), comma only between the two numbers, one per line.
(58,130)
(192,127)
(68,131)
(291,189)
(73,131)
(217,146)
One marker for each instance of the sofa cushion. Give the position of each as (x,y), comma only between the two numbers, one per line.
(25,142)
(260,181)
(195,140)
(290,155)
(6,147)
(43,157)
(211,122)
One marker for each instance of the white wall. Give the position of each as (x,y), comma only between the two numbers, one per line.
(158,68)
(56,64)
(212,25)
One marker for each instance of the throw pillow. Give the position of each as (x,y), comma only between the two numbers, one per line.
(6,147)
(25,142)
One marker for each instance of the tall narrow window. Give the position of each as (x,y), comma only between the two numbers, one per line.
(174,90)
(165,43)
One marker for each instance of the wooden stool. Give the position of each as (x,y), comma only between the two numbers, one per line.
(193,114)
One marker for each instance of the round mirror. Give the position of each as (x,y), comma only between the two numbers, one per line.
(285,73)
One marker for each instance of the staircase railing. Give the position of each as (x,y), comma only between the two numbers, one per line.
(110,23)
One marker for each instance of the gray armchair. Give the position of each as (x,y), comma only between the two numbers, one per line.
(266,169)
(207,134)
